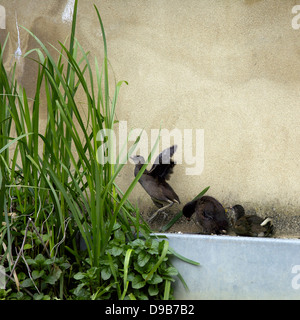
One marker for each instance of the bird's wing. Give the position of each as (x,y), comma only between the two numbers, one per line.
(165,156)
(168,192)
(208,214)
(152,187)
(160,191)
(163,164)
(205,209)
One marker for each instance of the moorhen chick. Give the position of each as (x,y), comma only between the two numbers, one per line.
(209,215)
(154,180)
(249,225)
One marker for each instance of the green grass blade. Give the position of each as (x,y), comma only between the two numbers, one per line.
(2,192)
(183,282)
(160,260)
(14,140)
(183,258)
(167,290)
(126,267)
(114,273)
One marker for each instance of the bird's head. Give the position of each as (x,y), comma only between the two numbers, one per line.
(189,209)
(138,159)
(234,213)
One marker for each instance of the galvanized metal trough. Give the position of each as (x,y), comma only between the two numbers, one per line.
(237,267)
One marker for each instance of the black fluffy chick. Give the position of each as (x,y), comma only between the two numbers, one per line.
(208,213)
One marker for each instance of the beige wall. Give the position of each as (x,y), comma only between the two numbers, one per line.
(231,68)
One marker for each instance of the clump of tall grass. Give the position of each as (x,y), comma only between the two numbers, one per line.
(53,188)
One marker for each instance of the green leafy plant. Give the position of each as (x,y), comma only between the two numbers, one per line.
(41,279)
(138,269)
(45,275)
(55,192)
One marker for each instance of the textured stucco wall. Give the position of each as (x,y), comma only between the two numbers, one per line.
(231,68)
